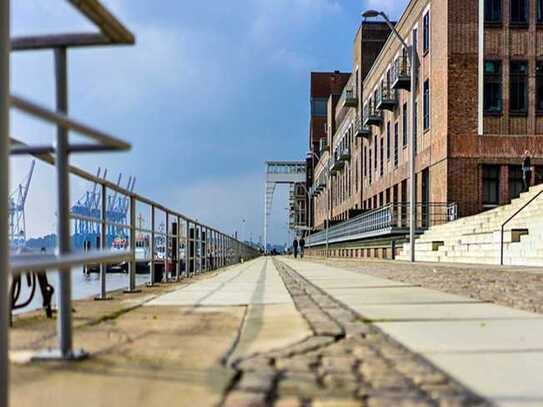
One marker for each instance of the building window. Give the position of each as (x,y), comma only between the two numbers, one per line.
(319,107)
(540,11)
(382,157)
(519,11)
(365,161)
(493,11)
(491,184)
(396,143)
(539,85)
(375,153)
(516,184)
(404,124)
(493,87)
(426,104)
(426,32)
(369,165)
(388,140)
(519,86)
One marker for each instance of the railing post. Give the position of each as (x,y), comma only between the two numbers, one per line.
(103,244)
(4,194)
(177,246)
(153,248)
(132,265)
(63,212)
(166,246)
(187,249)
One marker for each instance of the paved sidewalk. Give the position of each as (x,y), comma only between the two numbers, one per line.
(494,350)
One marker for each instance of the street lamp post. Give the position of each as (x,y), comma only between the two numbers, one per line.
(329,203)
(414,62)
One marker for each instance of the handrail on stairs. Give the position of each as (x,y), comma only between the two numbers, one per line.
(510,219)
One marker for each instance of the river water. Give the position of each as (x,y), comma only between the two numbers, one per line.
(83,286)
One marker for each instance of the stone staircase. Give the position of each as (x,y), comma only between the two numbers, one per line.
(476,239)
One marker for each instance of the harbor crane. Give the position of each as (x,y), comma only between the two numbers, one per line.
(16,214)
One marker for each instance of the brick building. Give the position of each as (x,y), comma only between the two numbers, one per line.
(479,106)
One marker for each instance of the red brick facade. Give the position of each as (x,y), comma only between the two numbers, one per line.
(451,154)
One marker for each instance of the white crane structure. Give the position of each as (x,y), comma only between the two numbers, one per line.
(16,213)
(280,172)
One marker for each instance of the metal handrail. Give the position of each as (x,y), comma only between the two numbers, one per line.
(384,219)
(502,228)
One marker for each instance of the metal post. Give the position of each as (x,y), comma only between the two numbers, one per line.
(132,266)
(413,152)
(63,210)
(166,245)
(103,245)
(199,242)
(177,245)
(187,250)
(152,268)
(4,206)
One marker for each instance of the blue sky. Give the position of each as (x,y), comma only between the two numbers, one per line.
(209,92)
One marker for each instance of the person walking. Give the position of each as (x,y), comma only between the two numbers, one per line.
(526,171)
(302,246)
(295,247)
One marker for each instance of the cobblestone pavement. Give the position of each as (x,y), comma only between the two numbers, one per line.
(345,363)
(518,288)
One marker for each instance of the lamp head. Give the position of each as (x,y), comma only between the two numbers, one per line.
(371,14)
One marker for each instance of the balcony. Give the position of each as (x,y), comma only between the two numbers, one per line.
(337,166)
(372,116)
(360,130)
(387,98)
(345,154)
(350,99)
(401,73)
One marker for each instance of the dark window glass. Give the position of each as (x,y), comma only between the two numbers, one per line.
(375,153)
(516,184)
(493,11)
(365,158)
(396,143)
(426,40)
(540,11)
(493,87)
(539,86)
(519,86)
(491,184)
(388,140)
(426,104)
(404,124)
(382,157)
(519,11)
(369,165)
(319,107)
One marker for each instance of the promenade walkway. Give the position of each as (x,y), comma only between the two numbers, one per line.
(495,350)
(284,332)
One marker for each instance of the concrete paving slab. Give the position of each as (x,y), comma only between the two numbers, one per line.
(483,370)
(492,349)
(440,312)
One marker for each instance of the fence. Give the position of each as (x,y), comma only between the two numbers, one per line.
(201,247)
(392,218)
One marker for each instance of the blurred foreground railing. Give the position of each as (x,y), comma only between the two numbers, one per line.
(202,248)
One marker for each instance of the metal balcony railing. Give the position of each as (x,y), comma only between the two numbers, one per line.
(387,220)
(401,73)
(372,116)
(345,154)
(387,98)
(360,130)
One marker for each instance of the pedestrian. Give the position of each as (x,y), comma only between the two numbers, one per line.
(526,171)
(302,246)
(295,247)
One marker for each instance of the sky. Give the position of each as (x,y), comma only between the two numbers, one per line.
(210,91)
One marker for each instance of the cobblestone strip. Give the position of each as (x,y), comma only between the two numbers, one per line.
(345,363)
